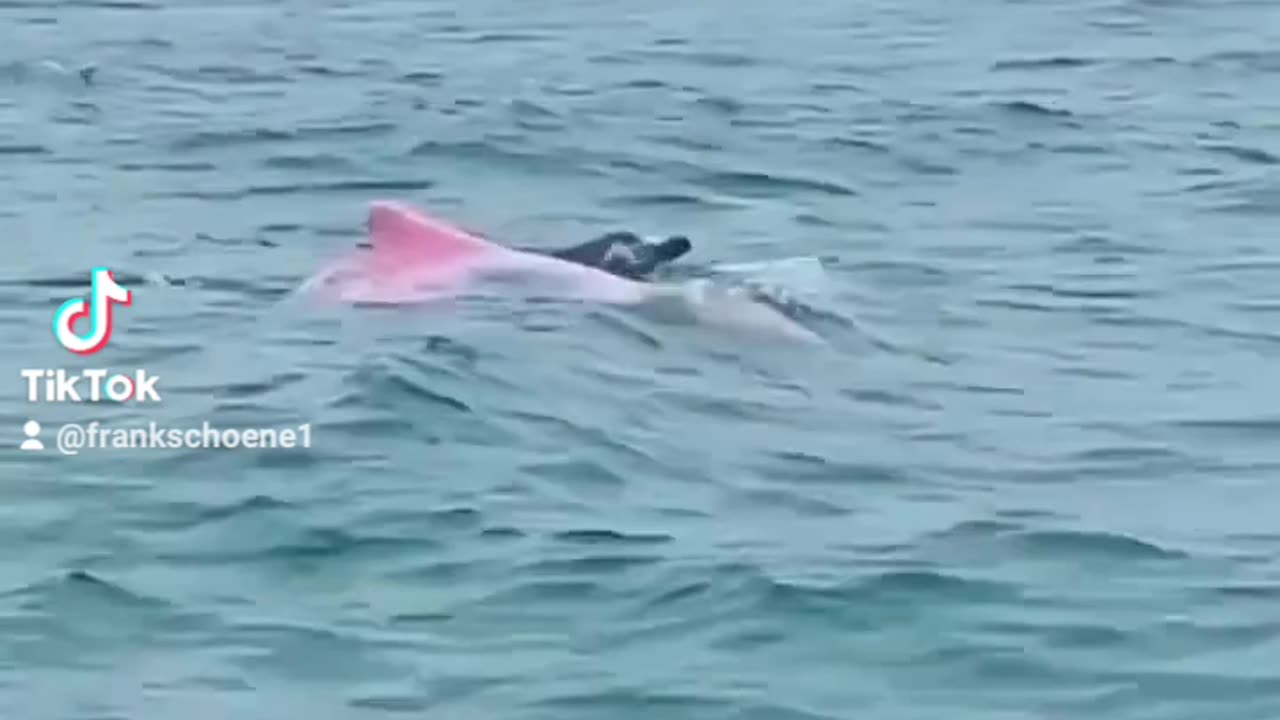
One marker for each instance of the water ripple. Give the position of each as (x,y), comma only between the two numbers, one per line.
(1032,477)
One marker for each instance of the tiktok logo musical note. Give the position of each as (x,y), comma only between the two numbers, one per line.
(103,293)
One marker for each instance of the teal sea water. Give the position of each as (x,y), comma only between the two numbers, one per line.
(1033,476)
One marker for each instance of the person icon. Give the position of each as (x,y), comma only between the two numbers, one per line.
(32,430)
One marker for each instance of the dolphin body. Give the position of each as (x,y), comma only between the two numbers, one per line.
(413,258)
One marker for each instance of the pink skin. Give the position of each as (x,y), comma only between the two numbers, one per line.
(415,258)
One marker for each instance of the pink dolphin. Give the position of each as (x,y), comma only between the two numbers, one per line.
(414,258)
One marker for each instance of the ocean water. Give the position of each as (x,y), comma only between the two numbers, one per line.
(1032,476)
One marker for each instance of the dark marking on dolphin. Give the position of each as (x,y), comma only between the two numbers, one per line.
(625,254)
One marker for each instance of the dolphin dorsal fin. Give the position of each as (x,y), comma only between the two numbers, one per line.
(400,234)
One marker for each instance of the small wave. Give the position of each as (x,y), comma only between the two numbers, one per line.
(1047,63)
(753,184)
(24,150)
(1033,109)
(1104,544)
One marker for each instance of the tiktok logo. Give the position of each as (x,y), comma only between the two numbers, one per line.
(103,293)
